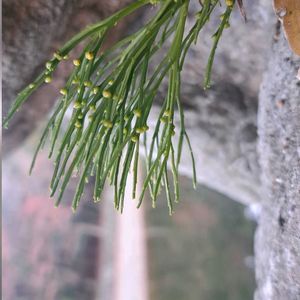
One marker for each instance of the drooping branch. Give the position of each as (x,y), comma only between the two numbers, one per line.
(226,155)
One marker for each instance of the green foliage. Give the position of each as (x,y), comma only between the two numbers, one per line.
(111,93)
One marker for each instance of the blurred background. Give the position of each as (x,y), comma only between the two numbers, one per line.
(204,251)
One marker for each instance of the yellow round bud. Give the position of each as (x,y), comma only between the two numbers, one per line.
(229,3)
(76,62)
(48,79)
(89,55)
(63,91)
(77,105)
(57,56)
(75,81)
(135,138)
(95,90)
(137,112)
(106,94)
(49,66)
(87,83)
(31,85)
(78,124)
(107,124)
(167,113)
(139,130)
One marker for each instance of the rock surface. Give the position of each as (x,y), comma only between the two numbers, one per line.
(277,243)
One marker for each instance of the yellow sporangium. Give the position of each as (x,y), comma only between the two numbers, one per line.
(77,104)
(107,123)
(63,91)
(137,112)
(135,138)
(49,66)
(78,124)
(48,79)
(229,3)
(89,55)
(76,62)
(57,56)
(87,83)
(95,90)
(106,94)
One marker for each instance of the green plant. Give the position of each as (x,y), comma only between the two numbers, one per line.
(112,93)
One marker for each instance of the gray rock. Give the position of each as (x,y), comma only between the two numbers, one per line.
(277,241)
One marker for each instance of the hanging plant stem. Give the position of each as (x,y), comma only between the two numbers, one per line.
(111,93)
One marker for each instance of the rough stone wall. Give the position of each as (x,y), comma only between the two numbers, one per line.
(277,242)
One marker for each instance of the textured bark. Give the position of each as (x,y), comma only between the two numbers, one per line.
(277,243)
